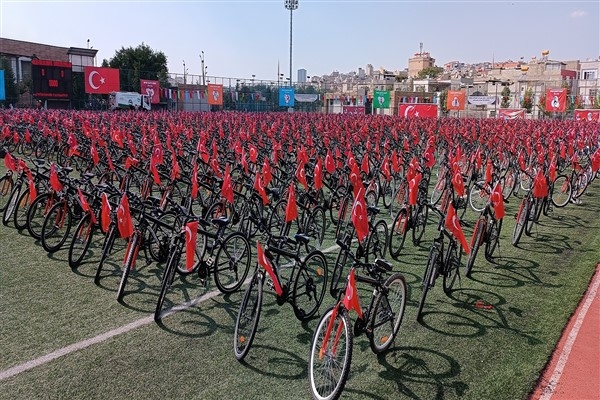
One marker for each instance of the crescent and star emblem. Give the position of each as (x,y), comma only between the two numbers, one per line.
(91,80)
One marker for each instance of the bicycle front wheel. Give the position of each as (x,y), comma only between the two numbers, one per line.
(81,241)
(561,191)
(232,263)
(310,286)
(377,243)
(476,241)
(399,230)
(387,313)
(248,316)
(130,256)
(56,227)
(429,277)
(6,185)
(330,355)
(452,266)
(493,238)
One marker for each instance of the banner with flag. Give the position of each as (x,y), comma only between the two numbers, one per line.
(422,110)
(591,115)
(152,89)
(556,100)
(511,113)
(455,100)
(286,97)
(353,110)
(100,80)
(381,99)
(215,94)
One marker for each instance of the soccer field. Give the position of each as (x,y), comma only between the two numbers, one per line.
(62,336)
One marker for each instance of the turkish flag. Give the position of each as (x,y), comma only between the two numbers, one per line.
(291,209)
(94,153)
(359,216)
(301,176)
(413,189)
(264,262)
(227,187)
(85,206)
(9,162)
(458,183)
(498,201)
(32,190)
(105,214)
(540,187)
(54,181)
(125,224)
(101,80)
(409,110)
(586,115)
(194,193)
(258,186)
(318,174)
(351,301)
(453,225)
(191,231)
(596,161)
(329,163)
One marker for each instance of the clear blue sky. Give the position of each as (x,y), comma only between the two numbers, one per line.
(241,38)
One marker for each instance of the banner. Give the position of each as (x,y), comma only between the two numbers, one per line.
(556,100)
(101,80)
(215,94)
(286,97)
(587,115)
(511,113)
(152,89)
(353,110)
(381,99)
(423,110)
(481,100)
(2,90)
(455,100)
(306,98)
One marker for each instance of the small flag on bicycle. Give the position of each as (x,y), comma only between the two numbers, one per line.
(453,225)
(291,209)
(318,174)
(191,232)
(498,201)
(124,222)
(9,162)
(351,301)
(105,214)
(264,262)
(54,181)
(85,206)
(227,188)
(359,216)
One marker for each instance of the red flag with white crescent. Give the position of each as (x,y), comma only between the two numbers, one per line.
(194,192)
(54,181)
(359,216)
(191,231)
(227,187)
(318,174)
(85,206)
(351,300)
(264,262)
(452,223)
(498,201)
(125,224)
(291,209)
(105,213)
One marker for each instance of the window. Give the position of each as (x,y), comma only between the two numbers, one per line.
(587,75)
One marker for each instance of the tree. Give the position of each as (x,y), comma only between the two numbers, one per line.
(430,72)
(11,88)
(505,102)
(139,63)
(443,99)
(527,102)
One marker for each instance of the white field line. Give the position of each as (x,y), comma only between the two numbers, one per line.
(10,372)
(566,351)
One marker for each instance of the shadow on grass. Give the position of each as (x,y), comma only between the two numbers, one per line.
(275,362)
(190,322)
(414,366)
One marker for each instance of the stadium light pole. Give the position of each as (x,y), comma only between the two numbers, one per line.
(291,5)
(203,68)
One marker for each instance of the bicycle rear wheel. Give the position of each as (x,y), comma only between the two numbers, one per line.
(521,220)
(399,231)
(478,196)
(330,355)
(476,241)
(11,205)
(388,310)
(20,213)
(80,243)
(561,191)
(420,222)
(232,263)
(452,267)
(310,286)
(246,322)
(377,242)
(56,227)
(493,238)
(6,185)
(37,213)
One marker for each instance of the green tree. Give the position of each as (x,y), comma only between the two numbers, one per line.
(11,88)
(443,99)
(139,63)
(505,102)
(527,102)
(431,72)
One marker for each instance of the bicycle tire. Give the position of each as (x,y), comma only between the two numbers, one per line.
(246,322)
(231,271)
(399,231)
(343,262)
(387,191)
(493,238)
(11,204)
(80,243)
(429,276)
(438,190)
(419,223)
(314,226)
(130,253)
(310,285)
(325,383)
(521,221)
(476,241)
(37,212)
(20,213)
(377,242)
(107,245)
(388,308)
(56,227)
(561,191)
(534,211)
(399,198)
(371,198)
(478,196)
(452,267)
(334,203)
(6,185)
(167,278)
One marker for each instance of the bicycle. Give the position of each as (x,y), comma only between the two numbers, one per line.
(308,275)
(331,346)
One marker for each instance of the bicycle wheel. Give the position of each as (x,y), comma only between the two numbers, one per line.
(344,214)
(429,277)
(343,262)
(478,196)
(561,191)
(246,322)
(167,278)
(20,213)
(56,227)
(438,190)
(399,198)
(276,223)
(452,265)
(130,256)
(371,198)
(107,245)
(377,242)
(334,204)
(534,211)
(509,184)
(159,237)
(387,191)
(493,238)
(476,241)
(387,314)
(420,222)
(6,185)
(310,285)
(37,213)
(400,228)
(330,355)
(80,243)
(232,263)
(11,204)
(521,220)
(314,227)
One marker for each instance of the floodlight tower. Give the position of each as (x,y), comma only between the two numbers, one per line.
(291,5)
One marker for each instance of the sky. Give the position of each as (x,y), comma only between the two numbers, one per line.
(249,37)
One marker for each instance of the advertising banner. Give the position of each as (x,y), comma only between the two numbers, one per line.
(587,115)
(152,89)
(511,113)
(286,97)
(556,100)
(215,94)
(353,110)
(455,100)
(381,99)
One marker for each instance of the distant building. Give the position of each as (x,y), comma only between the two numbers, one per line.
(361,73)
(418,63)
(369,70)
(301,75)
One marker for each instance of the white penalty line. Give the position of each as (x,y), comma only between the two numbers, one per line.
(566,351)
(10,372)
